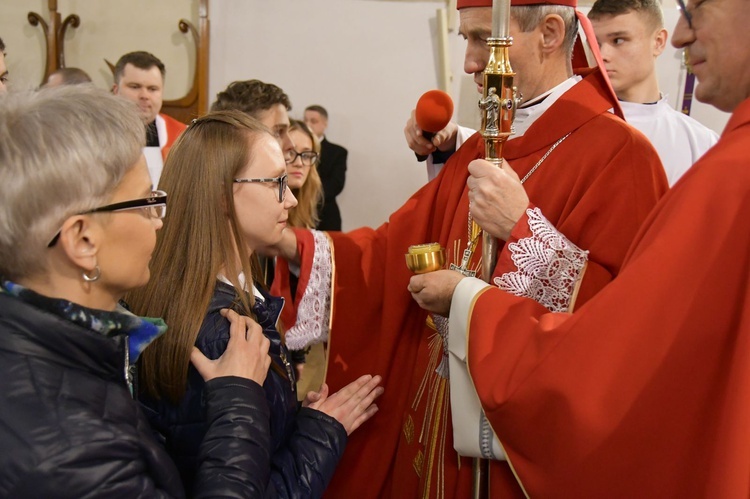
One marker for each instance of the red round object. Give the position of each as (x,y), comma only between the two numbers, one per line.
(434,111)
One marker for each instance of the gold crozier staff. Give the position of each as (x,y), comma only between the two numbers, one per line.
(498,105)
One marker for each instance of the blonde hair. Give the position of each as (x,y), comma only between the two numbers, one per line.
(62,151)
(195,243)
(305,214)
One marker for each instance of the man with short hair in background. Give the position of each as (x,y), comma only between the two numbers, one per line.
(265,102)
(67,76)
(631,36)
(332,168)
(139,77)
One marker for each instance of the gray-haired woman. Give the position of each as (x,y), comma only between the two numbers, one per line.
(78,222)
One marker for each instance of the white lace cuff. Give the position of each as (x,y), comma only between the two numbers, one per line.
(549,265)
(314,310)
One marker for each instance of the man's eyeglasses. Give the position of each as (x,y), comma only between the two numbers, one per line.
(309,158)
(155,206)
(685,12)
(282,181)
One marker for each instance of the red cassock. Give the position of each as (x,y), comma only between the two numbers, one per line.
(597,187)
(645,390)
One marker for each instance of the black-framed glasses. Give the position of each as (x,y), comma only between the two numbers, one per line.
(154,206)
(282,181)
(686,13)
(309,158)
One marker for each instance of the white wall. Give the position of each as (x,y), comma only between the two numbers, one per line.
(366,62)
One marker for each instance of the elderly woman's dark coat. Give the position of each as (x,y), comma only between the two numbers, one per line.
(70,428)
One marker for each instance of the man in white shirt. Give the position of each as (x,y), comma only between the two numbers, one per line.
(631,36)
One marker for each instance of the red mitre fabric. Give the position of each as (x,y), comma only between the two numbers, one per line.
(462,4)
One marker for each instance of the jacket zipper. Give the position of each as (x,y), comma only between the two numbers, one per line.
(128,371)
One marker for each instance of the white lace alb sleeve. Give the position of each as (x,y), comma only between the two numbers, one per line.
(549,265)
(314,310)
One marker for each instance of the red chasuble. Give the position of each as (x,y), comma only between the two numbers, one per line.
(645,391)
(597,186)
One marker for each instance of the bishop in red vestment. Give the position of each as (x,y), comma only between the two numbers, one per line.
(595,178)
(643,391)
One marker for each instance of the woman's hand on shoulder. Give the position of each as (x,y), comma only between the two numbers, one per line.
(246,355)
(352,405)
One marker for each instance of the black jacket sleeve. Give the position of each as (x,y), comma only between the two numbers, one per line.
(305,466)
(235,455)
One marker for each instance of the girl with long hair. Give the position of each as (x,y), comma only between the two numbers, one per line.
(229,198)
(307,187)
(304,180)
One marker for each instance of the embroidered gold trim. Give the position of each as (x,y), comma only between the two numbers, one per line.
(409,429)
(434,445)
(418,463)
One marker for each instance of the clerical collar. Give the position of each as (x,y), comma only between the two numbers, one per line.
(661,98)
(534,108)
(152,135)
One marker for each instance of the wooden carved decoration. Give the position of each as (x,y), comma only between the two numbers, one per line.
(55,36)
(195,102)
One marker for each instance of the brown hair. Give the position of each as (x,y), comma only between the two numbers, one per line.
(317,108)
(141,60)
(305,214)
(195,243)
(72,76)
(251,97)
(651,9)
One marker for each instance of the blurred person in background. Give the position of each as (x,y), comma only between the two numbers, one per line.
(306,186)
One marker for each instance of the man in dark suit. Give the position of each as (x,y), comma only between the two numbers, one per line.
(332,169)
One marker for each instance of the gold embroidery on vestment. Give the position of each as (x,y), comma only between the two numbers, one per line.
(409,429)
(418,463)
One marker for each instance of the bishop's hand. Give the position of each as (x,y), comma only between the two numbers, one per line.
(433,291)
(498,199)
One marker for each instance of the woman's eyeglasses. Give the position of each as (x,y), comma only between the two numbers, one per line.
(154,206)
(309,158)
(282,181)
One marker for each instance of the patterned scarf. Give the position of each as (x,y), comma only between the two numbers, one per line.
(140,330)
